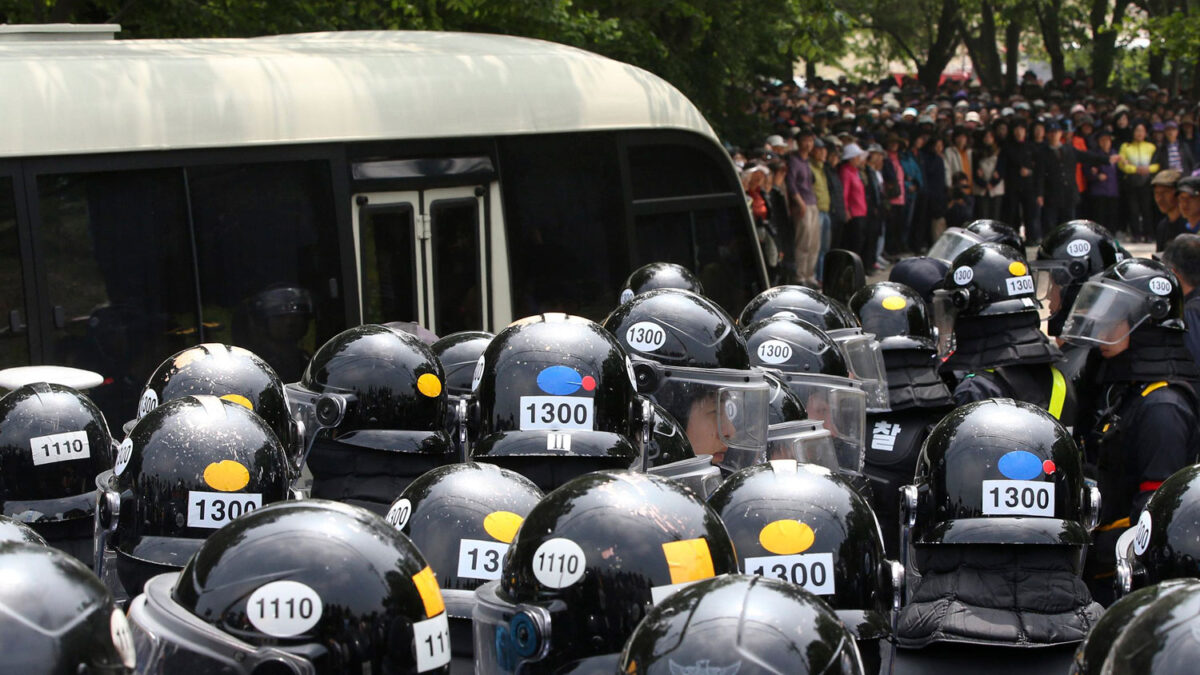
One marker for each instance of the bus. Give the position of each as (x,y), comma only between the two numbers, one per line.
(270,192)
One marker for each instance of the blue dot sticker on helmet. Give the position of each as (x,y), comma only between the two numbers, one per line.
(563,381)
(1020,465)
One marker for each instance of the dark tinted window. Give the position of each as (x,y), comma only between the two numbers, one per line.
(388,268)
(455,231)
(268,258)
(674,170)
(117,261)
(715,244)
(14,342)
(563,212)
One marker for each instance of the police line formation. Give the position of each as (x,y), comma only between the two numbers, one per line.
(806,488)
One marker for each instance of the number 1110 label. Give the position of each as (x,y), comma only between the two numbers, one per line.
(432,638)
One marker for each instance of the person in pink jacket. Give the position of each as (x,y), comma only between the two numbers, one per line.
(855,196)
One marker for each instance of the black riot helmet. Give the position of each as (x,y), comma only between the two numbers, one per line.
(801,302)
(955,240)
(1068,256)
(861,350)
(56,618)
(188,467)
(805,525)
(740,624)
(591,558)
(462,518)
(376,388)
(1166,541)
(53,443)
(659,275)
(690,359)
(555,396)
(308,587)
(15,530)
(459,354)
(227,372)
(996,232)
(1131,294)
(814,368)
(1000,472)
(784,405)
(1091,653)
(896,314)
(668,441)
(1162,639)
(986,312)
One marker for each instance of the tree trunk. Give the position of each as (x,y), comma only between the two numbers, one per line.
(1104,39)
(942,49)
(1155,68)
(985,54)
(810,70)
(1012,53)
(1048,18)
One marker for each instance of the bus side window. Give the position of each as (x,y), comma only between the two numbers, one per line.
(711,243)
(267,249)
(117,264)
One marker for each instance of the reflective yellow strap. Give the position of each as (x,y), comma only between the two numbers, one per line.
(1058,392)
(1121,524)
(1156,385)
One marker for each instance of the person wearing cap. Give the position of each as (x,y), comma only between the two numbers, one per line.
(1167,201)
(776,144)
(1182,256)
(803,202)
(1102,185)
(877,208)
(854,197)
(1188,191)
(971,121)
(1174,153)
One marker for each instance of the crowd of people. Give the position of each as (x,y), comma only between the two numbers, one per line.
(882,169)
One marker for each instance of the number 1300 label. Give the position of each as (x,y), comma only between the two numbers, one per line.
(213,510)
(811,571)
(478,559)
(1018,498)
(432,638)
(556,412)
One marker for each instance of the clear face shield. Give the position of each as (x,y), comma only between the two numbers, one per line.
(952,242)
(1052,277)
(841,404)
(718,408)
(806,441)
(1105,313)
(864,356)
(946,304)
(168,639)
(509,636)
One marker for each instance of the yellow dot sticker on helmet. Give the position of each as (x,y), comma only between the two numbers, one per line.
(502,525)
(895,303)
(786,537)
(239,399)
(429,384)
(431,595)
(226,475)
(688,560)
(1017,268)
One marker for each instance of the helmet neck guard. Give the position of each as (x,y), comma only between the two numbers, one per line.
(1154,354)
(1004,340)
(913,381)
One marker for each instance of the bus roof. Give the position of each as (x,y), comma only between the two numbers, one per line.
(138,95)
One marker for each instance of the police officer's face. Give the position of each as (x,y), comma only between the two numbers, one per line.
(704,429)
(1054,297)
(1109,351)
(817,406)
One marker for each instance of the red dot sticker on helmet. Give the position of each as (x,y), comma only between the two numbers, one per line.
(589,383)
(1048,466)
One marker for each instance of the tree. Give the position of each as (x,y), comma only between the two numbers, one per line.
(924,32)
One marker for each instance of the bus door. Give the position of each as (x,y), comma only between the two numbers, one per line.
(422,257)
(14,333)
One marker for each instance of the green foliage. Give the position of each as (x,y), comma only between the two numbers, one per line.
(714,51)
